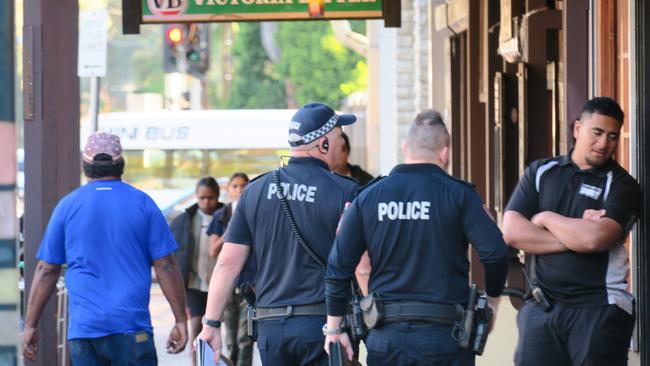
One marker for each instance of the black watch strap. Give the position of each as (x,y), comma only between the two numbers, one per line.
(213,323)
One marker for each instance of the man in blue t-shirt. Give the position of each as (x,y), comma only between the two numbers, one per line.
(108,234)
(290,286)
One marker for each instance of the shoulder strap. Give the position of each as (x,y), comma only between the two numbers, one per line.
(292,222)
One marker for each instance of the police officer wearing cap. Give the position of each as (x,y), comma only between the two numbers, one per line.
(415,224)
(571,214)
(290,286)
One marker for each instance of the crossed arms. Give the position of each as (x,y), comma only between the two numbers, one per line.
(549,232)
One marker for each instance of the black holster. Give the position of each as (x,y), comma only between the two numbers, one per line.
(251,323)
(481,325)
(358,329)
(472,331)
(247,291)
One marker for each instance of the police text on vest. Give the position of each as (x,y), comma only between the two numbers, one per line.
(416,210)
(294,192)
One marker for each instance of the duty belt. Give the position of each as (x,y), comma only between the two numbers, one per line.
(291,310)
(422,311)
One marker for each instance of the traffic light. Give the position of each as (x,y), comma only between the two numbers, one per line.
(198,49)
(187,48)
(175,37)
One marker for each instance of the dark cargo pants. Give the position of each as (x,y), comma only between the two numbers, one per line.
(292,341)
(590,335)
(415,344)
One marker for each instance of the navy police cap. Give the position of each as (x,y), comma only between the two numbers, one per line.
(315,120)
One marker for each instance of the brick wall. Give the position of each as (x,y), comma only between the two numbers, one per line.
(413,65)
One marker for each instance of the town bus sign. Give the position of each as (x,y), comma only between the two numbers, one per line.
(176,11)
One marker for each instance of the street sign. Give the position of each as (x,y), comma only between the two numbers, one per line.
(175,11)
(93,36)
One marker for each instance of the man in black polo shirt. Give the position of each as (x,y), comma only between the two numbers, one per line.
(290,283)
(572,214)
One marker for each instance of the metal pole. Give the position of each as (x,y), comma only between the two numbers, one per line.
(95,83)
(8,269)
(196,91)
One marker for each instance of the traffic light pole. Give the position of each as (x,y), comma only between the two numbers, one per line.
(95,85)
(51,113)
(186,53)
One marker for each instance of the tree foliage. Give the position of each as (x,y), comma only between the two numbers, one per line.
(255,83)
(312,59)
(134,62)
(318,64)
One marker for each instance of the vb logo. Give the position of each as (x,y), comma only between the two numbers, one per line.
(168,7)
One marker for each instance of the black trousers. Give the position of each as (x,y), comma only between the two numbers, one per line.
(415,344)
(292,341)
(573,336)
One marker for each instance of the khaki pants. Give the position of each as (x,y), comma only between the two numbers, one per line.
(237,345)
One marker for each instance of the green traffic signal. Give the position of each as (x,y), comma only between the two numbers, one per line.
(193,56)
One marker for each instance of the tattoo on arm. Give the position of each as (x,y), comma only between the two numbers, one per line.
(43,285)
(171,283)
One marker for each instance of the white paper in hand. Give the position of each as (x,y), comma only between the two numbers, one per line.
(205,355)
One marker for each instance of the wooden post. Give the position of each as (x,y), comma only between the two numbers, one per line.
(575,23)
(51,113)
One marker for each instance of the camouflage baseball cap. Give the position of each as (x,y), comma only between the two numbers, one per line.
(102,143)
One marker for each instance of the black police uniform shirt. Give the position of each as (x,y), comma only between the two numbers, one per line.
(218,226)
(416,224)
(286,274)
(558,185)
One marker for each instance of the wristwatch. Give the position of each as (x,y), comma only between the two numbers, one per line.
(335,331)
(213,323)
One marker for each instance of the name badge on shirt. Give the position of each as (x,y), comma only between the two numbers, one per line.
(590,191)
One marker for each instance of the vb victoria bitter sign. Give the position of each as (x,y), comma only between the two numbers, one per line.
(175,11)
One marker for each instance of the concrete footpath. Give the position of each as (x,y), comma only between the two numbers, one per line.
(162,320)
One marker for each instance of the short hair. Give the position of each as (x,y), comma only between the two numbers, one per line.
(346,142)
(102,167)
(305,147)
(605,106)
(239,175)
(427,135)
(313,144)
(208,182)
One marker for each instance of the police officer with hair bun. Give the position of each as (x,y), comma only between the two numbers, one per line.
(415,224)
(287,219)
